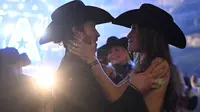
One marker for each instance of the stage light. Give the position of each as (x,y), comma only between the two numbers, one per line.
(2,12)
(39,30)
(20,6)
(1,18)
(12,14)
(8,29)
(5,6)
(51,8)
(43,0)
(26,14)
(34,7)
(44,77)
(40,16)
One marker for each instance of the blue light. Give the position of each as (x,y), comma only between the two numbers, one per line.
(26,14)
(34,7)
(20,6)
(43,0)
(5,6)
(51,8)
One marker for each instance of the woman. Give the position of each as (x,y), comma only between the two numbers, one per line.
(152,30)
(116,53)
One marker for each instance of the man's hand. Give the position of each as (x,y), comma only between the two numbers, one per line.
(152,78)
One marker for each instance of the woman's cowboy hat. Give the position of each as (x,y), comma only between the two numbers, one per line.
(71,14)
(111,42)
(151,16)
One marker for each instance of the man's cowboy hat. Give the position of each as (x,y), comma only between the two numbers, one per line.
(153,17)
(111,42)
(71,14)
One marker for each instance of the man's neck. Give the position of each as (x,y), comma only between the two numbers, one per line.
(73,56)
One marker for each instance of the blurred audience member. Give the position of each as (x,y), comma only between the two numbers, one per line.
(115,52)
(18,92)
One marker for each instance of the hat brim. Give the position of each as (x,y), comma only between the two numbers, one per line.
(105,48)
(24,60)
(95,14)
(52,31)
(98,15)
(173,33)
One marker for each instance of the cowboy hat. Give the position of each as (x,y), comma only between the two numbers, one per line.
(151,16)
(10,55)
(71,14)
(111,42)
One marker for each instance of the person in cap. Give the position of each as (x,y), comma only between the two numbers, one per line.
(189,99)
(12,60)
(152,30)
(117,54)
(76,89)
(17,89)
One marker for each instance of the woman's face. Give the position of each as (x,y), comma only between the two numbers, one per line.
(133,44)
(117,55)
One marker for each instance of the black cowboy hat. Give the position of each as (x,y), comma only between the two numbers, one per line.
(111,42)
(71,14)
(151,16)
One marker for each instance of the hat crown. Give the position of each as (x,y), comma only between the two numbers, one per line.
(111,39)
(73,9)
(156,12)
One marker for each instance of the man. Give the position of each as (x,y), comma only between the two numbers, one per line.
(76,89)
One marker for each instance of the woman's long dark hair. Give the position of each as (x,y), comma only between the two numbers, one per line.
(154,44)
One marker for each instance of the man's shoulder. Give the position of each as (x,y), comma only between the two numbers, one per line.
(73,64)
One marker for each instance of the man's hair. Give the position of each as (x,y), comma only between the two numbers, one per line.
(67,34)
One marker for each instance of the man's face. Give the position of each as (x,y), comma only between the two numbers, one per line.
(90,33)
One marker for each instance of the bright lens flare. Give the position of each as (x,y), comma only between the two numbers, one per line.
(44,78)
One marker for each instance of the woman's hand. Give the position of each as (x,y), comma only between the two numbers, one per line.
(83,50)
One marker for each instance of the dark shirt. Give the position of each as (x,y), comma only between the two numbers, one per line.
(122,71)
(130,101)
(77,90)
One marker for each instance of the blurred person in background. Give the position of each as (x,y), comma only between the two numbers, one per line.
(189,100)
(19,93)
(12,62)
(195,82)
(117,55)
